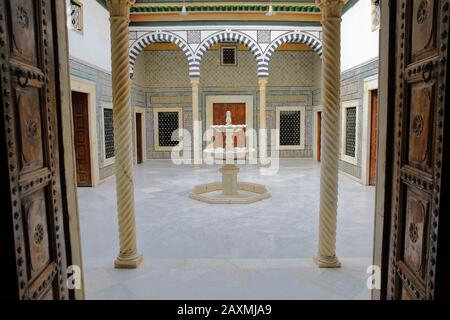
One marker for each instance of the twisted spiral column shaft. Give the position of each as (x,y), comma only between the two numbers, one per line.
(119,19)
(331,81)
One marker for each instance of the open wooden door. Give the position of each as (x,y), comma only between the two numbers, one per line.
(417,247)
(82,138)
(35,241)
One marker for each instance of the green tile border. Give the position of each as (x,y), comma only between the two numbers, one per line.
(227,22)
(347,6)
(227,8)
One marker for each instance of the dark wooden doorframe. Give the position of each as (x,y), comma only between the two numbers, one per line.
(319,136)
(80,107)
(373,136)
(139,142)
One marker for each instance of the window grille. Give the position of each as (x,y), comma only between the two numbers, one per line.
(375,15)
(108,133)
(168,122)
(229,56)
(76,15)
(290,128)
(350,134)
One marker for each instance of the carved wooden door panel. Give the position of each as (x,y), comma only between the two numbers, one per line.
(421,73)
(81,137)
(29,120)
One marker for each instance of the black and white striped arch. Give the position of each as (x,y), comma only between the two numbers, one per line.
(195,57)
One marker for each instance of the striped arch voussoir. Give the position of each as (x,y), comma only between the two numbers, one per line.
(296,37)
(155,37)
(229,36)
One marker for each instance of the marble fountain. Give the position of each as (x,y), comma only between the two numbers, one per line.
(229,190)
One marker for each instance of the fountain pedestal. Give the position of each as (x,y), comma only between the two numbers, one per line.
(229,191)
(229,179)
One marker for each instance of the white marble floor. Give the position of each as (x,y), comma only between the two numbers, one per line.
(193,250)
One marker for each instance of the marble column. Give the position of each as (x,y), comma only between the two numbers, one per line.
(196,124)
(331,82)
(262,81)
(119,19)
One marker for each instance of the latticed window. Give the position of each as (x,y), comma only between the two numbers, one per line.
(76,15)
(108,126)
(350,132)
(290,128)
(167,124)
(229,56)
(375,14)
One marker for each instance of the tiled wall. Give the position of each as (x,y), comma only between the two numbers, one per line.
(168,69)
(294,78)
(352,88)
(102,80)
(161,80)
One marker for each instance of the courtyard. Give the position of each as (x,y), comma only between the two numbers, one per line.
(194,250)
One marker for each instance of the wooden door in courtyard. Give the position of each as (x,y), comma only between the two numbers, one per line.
(139,138)
(419,216)
(237,117)
(373,137)
(82,139)
(32,224)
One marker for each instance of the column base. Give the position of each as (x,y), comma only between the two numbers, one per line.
(327,262)
(264,165)
(197,166)
(128,261)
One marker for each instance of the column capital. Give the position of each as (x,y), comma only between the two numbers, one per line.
(262,81)
(331,8)
(195,81)
(120,8)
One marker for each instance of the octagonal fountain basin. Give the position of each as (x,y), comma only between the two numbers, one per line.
(229,191)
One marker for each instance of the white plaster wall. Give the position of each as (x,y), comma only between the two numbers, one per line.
(359,43)
(94,45)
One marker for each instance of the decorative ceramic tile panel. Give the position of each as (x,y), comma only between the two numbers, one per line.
(291,68)
(264,36)
(194,37)
(165,69)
